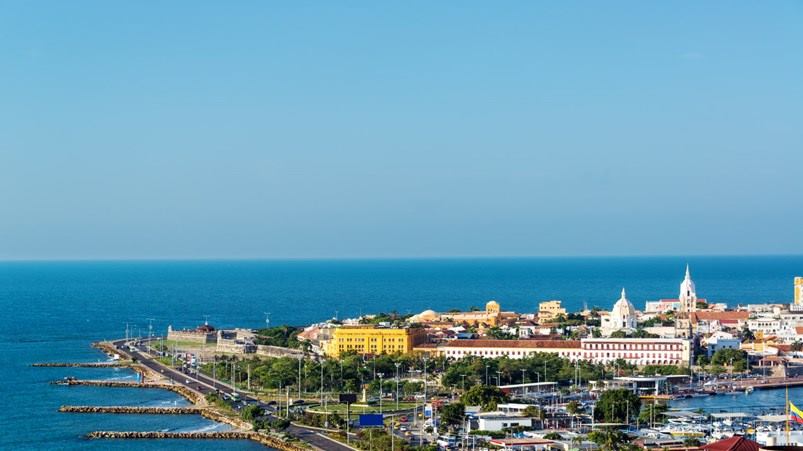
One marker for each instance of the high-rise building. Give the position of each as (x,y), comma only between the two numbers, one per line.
(799,290)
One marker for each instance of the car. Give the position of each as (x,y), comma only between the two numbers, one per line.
(186,381)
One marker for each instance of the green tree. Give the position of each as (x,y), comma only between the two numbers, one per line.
(553,436)
(730,357)
(485,396)
(609,439)
(250,412)
(614,406)
(702,360)
(652,412)
(797,346)
(573,407)
(452,414)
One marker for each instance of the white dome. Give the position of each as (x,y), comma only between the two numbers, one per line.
(623,308)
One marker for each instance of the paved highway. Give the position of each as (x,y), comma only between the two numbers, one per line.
(205,385)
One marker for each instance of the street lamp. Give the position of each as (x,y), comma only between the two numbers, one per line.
(398,364)
(380,390)
(486,373)
(463,377)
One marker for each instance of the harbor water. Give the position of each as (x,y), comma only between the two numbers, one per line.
(53,310)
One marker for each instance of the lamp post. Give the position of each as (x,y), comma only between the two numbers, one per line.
(398,364)
(486,373)
(522,375)
(463,380)
(299,377)
(380,390)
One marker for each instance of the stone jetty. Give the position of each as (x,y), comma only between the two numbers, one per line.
(133,409)
(115,364)
(258,437)
(190,395)
(220,435)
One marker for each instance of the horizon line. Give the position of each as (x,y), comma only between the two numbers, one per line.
(379,258)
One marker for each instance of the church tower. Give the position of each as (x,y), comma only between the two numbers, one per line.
(688,305)
(688,294)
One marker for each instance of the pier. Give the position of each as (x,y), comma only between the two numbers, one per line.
(133,410)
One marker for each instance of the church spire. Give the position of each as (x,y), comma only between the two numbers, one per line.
(688,274)
(624,296)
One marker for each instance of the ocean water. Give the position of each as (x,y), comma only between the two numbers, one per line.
(52,311)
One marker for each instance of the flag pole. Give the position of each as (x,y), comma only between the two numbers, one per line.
(787,415)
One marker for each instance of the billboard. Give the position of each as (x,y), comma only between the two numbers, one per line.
(371,420)
(348,398)
(428,411)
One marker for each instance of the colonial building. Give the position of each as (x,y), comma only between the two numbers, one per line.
(368,339)
(203,334)
(491,316)
(799,291)
(621,317)
(550,310)
(637,351)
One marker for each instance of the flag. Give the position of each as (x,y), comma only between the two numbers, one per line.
(795,413)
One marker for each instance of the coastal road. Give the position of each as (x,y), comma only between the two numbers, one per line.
(205,385)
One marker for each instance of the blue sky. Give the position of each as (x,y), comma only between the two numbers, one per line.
(370,129)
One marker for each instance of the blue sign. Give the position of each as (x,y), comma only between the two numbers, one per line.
(372,420)
(428,411)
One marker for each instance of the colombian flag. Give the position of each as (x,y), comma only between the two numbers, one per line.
(796,414)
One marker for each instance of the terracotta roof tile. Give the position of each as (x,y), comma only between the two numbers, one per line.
(515,344)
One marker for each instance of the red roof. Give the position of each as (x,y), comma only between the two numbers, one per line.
(735,443)
(711,315)
(514,344)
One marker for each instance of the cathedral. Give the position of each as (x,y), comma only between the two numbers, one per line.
(688,305)
(622,316)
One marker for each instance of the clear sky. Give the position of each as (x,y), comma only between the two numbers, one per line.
(381,129)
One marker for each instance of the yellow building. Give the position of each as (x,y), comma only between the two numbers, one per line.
(373,340)
(549,310)
(798,290)
(489,317)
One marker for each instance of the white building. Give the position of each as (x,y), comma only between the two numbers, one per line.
(496,421)
(622,317)
(721,340)
(637,351)
(662,306)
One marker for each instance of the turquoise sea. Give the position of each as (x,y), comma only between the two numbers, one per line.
(53,310)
